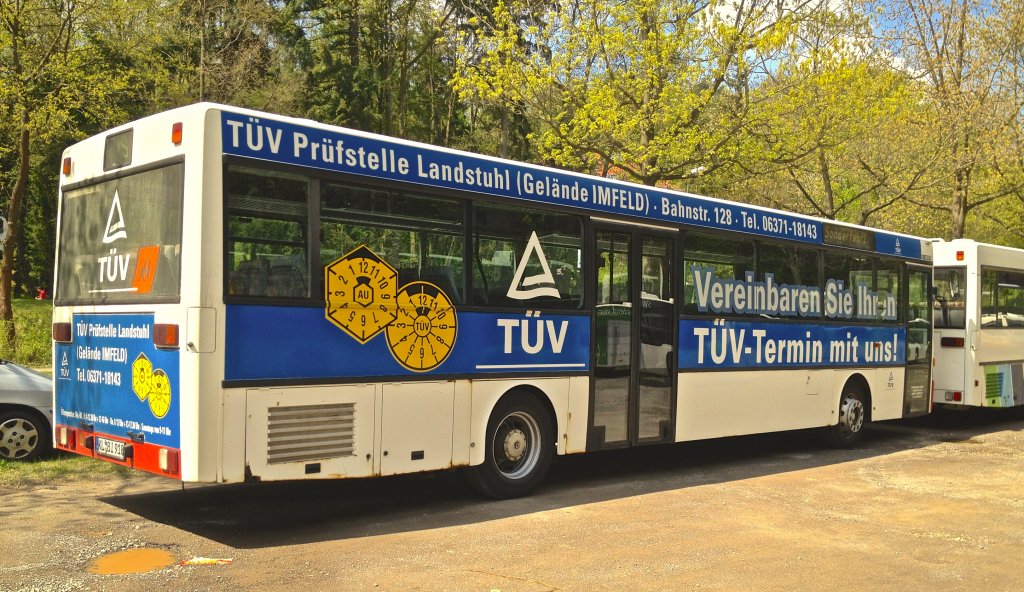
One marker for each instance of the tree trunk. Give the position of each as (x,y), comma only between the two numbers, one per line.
(353,35)
(506,132)
(13,225)
(960,205)
(826,185)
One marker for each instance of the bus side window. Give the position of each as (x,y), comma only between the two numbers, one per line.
(285,281)
(526,258)
(251,277)
(267,231)
(723,257)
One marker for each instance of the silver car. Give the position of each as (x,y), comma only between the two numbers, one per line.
(26,412)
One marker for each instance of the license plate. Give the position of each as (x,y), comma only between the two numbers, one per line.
(110,448)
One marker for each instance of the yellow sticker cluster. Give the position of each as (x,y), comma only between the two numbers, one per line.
(151,384)
(363,299)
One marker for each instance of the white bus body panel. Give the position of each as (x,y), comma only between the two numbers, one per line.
(964,369)
(779,400)
(380,429)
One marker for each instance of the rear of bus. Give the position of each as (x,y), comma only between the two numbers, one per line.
(979,325)
(125,314)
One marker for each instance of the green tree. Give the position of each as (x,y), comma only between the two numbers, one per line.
(382,66)
(838,125)
(966,59)
(654,91)
(52,79)
(242,52)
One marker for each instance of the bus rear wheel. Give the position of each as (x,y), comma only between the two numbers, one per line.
(853,416)
(520,446)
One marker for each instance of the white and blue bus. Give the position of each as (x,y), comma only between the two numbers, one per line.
(244,296)
(979,325)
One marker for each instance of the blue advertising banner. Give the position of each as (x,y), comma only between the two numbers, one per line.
(378,157)
(268,343)
(112,376)
(717,343)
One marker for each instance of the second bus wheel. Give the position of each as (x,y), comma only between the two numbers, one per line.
(853,416)
(520,446)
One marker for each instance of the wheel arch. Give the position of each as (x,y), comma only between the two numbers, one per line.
(552,394)
(859,381)
(34,412)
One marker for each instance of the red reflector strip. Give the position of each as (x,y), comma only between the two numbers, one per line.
(165,335)
(952,342)
(176,133)
(62,332)
(67,437)
(168,460)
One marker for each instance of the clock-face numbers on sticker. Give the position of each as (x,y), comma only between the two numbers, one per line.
(159,394)
(142,373)
(422,336)
(360,293)
(151,384)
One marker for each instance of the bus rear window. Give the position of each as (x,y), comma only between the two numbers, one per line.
(120,240)
(949,310)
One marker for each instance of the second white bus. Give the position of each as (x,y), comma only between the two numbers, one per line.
(979,324)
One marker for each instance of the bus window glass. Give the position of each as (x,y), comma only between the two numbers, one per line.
(120,240)
(919,327)
(657,271)
(708,259)
(526,258)
(797,268)
(267,241)
(949,310)
(420,237)
(889,278)
(613,285)
(848,273)
(1002,298)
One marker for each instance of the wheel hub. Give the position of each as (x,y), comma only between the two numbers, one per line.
(17,438)
(853,418)
(515,444)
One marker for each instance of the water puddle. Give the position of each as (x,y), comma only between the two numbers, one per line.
(131,561)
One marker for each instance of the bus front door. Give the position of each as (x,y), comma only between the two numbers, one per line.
(634,340)
(917,392)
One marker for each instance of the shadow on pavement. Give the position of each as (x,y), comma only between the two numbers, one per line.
(257,515)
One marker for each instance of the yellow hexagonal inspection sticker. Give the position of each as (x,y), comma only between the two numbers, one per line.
(142,372)
(360,292)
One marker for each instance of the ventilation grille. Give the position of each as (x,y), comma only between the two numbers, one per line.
(993,385)
(310,432)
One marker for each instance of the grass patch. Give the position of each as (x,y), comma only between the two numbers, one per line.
(33,321)
(57,467)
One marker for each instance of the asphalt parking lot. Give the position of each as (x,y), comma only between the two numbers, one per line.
(931,504)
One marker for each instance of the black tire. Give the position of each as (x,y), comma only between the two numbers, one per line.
(519,448)
(853,416)
(24,435)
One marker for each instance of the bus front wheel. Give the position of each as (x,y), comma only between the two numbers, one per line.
(853,416)
(520,446)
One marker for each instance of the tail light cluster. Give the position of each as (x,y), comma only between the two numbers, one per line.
(165,335)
